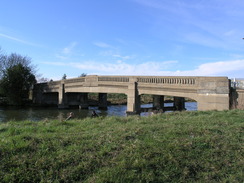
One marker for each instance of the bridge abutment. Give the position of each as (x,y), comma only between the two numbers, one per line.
(213,94)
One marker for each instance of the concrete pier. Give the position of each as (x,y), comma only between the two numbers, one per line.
(179,103)
(158,102)
(102,101)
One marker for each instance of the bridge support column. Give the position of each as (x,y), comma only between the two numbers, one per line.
(62,97)
(158,102)
(179,103)
(133,99)
(102,101)
(83,101)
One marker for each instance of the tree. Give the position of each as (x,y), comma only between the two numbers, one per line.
(64,76)
(2,61)
(42,80)
(16,83)
(83,75)
(17,77)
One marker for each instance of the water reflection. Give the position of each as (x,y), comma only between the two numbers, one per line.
(37,114)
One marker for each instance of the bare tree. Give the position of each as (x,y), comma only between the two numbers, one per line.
(3,58)
(64,76)
(8,61)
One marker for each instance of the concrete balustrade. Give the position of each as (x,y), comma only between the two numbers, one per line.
(211,93)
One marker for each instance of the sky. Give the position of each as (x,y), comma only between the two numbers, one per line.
(126,37)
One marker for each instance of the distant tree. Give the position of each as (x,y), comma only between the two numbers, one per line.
(83,75)
(16,83)
(2,61)
(64,76)
(15,59)
(42,80)
(16,78)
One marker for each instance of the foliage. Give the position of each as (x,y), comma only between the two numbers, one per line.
(64,76)
(16,83)
(83,75)
(171,147)
(17,76)
(42,80)
(13,59)
(2,60)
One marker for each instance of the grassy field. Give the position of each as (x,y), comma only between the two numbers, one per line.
(170,147)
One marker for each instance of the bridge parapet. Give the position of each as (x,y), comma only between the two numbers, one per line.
(75,80)
(113,78)
(168,80)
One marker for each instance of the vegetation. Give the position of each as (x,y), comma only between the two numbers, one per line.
(170,147)
(83,75)
(64,76)
(16,78)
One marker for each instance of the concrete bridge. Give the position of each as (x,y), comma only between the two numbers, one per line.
(211,93)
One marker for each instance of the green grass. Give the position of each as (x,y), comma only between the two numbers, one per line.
(171,147)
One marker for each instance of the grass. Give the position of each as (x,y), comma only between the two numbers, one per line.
(171,147)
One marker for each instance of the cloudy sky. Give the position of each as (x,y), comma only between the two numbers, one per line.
(126,37)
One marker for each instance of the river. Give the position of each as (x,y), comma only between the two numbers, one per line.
(38,113)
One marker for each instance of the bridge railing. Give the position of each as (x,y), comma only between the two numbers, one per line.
(114,78)
(168,80)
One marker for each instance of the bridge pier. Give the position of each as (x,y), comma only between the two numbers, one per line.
(179,103)
(83,100)
(62,99)
(133,99)
(158,102)
(102,101)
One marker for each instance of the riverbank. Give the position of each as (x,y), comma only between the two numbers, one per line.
(170,147)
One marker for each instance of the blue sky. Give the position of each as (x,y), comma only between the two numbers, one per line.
(126,37)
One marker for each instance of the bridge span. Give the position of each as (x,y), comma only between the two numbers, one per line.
(211,93)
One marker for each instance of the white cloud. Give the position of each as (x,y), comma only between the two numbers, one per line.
(102,45)
(61,57)
(221,68)
(55,63)
(18,40)
(69,48)
(66,52)
(122,57)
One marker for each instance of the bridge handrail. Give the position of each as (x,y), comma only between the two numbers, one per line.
(113,78)
(168,80)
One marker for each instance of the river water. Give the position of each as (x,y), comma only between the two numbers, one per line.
(38,114)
